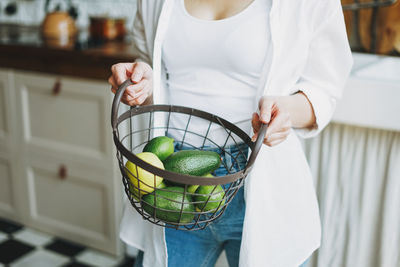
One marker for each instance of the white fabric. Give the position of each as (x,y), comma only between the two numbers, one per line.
(357,177)
(281,227)
(214,62)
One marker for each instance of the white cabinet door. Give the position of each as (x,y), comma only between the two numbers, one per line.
(8,179)
(3,106)
(5,123)
(71,201)
(65,116)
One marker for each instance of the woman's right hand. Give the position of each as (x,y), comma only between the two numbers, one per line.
(141,75)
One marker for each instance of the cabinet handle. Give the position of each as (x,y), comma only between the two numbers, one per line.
(62,172)
(57,87)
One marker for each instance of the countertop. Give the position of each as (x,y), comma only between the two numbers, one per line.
(371,96)
(23,48)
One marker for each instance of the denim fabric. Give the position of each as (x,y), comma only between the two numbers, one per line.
(139,261)
(202,247)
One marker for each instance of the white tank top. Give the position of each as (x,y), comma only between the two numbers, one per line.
(215,66)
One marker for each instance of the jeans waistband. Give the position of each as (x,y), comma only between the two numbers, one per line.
(231,148)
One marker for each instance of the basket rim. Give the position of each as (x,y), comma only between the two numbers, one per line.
(173,176)
(178,177)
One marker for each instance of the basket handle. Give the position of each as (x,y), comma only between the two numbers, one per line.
(116,102)
(114,121)
(257,147)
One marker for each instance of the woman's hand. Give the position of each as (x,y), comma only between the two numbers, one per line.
(282,113)
(141,74)
(274,112)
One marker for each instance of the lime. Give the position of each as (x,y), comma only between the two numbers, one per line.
(193,188)
(162,185)
(162,146)
(215,197)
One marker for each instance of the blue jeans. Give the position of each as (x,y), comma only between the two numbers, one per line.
(202,248)
(139,261)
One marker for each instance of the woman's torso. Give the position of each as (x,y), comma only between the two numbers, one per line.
(215,65)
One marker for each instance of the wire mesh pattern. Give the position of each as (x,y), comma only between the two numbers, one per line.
(177,205)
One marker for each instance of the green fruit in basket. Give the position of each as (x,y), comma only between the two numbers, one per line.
(193,162)
(207,191)
(147,180)
(169,204)
(162,146)
(162,185)
(193,188)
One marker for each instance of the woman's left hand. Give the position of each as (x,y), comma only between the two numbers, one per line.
(274,112)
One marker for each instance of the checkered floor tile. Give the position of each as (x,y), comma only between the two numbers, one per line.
(24,247)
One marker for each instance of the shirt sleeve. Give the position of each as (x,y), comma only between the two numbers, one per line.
(139,36)
(328,66)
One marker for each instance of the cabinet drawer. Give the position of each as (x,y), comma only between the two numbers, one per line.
(65,115)
(68,201)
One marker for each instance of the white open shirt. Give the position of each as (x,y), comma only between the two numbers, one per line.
(215,66)
(309,53)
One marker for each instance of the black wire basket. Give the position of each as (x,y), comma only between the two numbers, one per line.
(135,127)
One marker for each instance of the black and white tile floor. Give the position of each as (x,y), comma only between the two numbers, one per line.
(24,247)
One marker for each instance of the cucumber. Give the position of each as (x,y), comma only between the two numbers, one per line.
(193,162)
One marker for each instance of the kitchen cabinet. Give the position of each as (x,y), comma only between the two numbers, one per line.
(8,200)
(65,166)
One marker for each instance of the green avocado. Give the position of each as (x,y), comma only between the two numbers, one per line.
(171,210)
(193,162)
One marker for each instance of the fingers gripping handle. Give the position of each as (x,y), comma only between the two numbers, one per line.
(257,146)
(117,101)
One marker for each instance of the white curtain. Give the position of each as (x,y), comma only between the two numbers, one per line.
(357,178)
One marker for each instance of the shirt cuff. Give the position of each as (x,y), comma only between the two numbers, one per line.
(323,105)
